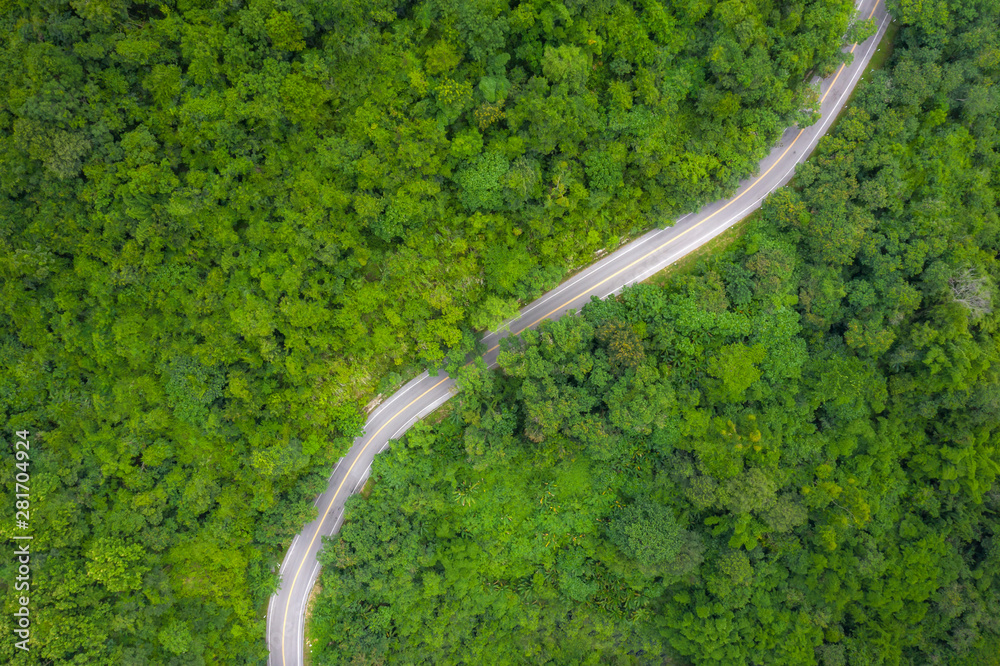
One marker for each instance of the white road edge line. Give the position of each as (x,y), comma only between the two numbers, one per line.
(281,570)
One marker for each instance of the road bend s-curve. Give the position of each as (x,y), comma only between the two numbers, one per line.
(632,263)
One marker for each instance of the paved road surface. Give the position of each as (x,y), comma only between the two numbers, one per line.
(632,263)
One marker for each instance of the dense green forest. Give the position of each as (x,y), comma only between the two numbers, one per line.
(787,456)
(224,226)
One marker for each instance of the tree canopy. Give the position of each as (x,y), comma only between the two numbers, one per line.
(226,226)
(788,455)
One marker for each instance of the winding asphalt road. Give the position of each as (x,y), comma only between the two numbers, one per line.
(632,263)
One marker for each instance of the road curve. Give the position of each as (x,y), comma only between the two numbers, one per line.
(632,263)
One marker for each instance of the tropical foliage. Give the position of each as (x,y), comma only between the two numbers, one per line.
(788,456)
(226,225)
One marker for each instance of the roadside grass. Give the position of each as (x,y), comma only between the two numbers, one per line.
(689,263)
(307,639)
(882,53)
(366,490)
(440,414)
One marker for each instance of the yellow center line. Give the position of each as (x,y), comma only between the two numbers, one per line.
(334,499)
(535,323)
(823,98)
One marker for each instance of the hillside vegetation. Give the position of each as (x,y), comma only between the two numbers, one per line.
(789,456)
(226,225)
